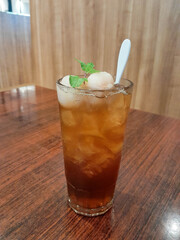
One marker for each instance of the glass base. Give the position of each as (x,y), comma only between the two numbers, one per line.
(90,212)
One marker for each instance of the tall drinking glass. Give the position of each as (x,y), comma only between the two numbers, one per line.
(92,127)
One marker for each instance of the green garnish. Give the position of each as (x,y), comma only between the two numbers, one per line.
(76,81)
(88,68)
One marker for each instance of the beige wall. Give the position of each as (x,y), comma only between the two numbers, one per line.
(92,30)
(15,51)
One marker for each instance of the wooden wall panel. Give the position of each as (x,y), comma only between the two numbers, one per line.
(93,30)
(15,50)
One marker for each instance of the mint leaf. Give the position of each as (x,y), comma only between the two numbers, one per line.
(76,81)
(83,65)
(88,68)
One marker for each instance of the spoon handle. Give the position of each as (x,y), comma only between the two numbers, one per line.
(122,59)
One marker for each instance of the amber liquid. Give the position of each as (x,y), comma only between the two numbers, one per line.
(92,135)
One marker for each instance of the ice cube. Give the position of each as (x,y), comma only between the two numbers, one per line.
(113,123)
(66,97)
(86,146)
(98,162)
(116,102)
(114,138)
(117,119)
(73,154)
(100,81)
(67,118)
(96,102)
(94,149)
(89,125)
(115,146)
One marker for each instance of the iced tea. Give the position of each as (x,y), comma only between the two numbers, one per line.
(93,125)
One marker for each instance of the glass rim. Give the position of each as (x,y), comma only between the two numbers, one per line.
(83,90)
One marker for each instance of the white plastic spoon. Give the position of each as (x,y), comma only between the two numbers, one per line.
(122,59)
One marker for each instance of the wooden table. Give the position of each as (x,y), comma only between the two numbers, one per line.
(33,193)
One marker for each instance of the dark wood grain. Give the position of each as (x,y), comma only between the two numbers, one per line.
(33,193)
